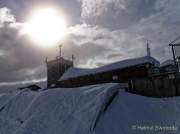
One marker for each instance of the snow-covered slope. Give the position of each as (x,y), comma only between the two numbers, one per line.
(96,109)
(74,72)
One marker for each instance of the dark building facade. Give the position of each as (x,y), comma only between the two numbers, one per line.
(125,75)
(63,74)
(55,69)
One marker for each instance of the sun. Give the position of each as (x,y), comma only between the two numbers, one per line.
(46,26)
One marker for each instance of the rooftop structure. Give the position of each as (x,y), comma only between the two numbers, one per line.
(56,68)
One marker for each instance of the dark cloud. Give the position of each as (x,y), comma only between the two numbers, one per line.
(114,55)
(99,64)
(19,58)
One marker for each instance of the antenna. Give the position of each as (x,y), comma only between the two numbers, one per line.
(73,58)
(148,49)
(46,59)
(60,51)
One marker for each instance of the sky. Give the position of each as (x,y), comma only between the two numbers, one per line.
(100,32)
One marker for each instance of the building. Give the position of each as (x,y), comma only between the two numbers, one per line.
(55,69)
(122,72)
(61,73)
(168,66)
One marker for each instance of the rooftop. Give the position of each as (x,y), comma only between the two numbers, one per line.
(75,72)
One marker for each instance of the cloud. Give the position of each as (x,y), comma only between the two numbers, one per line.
(6,16)
(116,14)
(85,53)
(20,83)
(160,28)
(96,8)
(116,41)
(23,8)
(20,59)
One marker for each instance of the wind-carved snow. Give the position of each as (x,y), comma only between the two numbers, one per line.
(96,109)
(75,72)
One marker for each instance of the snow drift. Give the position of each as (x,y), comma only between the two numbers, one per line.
(96,109)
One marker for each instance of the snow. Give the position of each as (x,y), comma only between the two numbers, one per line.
(75,72)
(95,109)
(167,62)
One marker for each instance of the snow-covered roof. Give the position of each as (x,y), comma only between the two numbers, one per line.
(167,63)
(75,72)
(96,109)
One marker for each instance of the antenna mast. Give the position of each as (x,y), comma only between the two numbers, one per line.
(60,50)
(148,49)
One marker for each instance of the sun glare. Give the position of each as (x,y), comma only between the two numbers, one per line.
(46,27)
